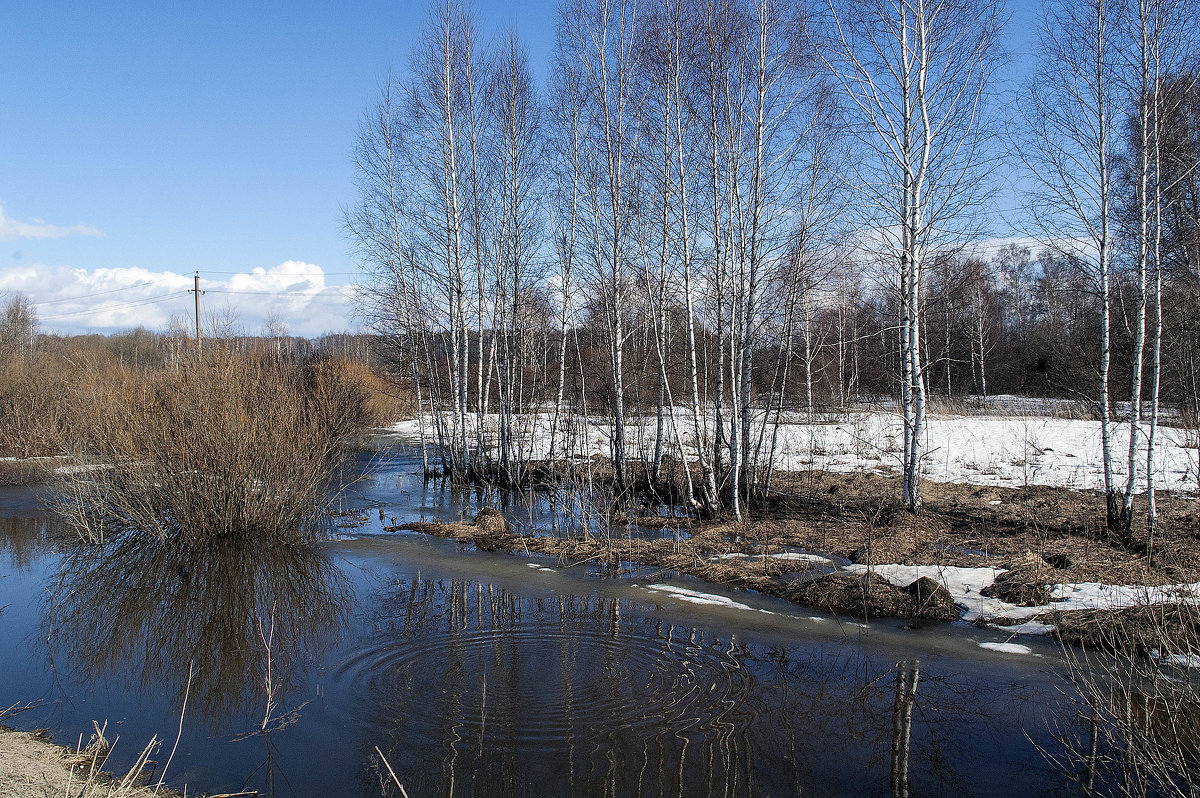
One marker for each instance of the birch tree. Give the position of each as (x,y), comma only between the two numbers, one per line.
(566,158)
(378,229)
(515,119)
(1159,39)
(442,62)
(916,72)
(1069,119)
(599,36)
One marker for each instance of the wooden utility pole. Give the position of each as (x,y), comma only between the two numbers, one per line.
(196,290)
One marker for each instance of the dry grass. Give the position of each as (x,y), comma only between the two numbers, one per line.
(228,445)
(698,556)
(32,415)
(31,766)
(1141,703)
(856,516)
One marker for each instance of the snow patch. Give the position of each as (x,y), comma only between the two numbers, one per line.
(696,597)
(965,586)
(1007,648)
(1027,628)
(1181,660)
(791,556)
(797,557)
(1003,451)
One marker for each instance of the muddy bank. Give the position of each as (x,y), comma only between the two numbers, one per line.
(32,766)
(1017,549)
(709,555)
(857,516)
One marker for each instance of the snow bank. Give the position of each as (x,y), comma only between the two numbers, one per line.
(965,586)
(1002,451)
(993,450)
(696,597)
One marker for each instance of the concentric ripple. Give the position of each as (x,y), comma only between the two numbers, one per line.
(540,687)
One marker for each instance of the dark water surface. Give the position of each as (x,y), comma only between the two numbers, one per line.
(490,674)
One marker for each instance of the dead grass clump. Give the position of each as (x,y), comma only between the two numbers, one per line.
(227,445)
(490,520)
(488,532)
(1159,629)
(933,599)
(1025,586)
(872,597)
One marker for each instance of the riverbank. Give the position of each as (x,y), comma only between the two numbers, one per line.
(1024,558)
(33,766)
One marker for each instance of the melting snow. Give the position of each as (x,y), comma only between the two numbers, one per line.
(1007,648)
(696,597)
(965,584)
(1182,660)
(1004,451)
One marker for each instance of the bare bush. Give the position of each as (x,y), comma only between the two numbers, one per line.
(31,412)
(1137,734)
(228,445)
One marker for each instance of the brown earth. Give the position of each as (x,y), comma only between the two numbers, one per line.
(1042,535)
(31,766)
(1163,628)
(1059,531)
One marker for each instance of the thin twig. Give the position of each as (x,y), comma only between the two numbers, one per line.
(383,759)
(187,691)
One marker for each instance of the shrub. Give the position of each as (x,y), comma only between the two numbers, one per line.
(227,445)
(31,412)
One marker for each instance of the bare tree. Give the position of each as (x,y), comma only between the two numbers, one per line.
(1159,41)
(515,119)
(916,72)
(18,325)
(1069,117)
(379,230)
(566,154)
(443,68)
(599,37)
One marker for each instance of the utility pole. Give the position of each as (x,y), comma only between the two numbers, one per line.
(196,290)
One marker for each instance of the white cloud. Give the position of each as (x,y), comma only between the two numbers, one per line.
(70,300)
(14,230)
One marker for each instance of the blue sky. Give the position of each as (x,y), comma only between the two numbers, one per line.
(211,136)
(150,137)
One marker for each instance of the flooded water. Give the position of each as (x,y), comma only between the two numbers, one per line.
(491,674)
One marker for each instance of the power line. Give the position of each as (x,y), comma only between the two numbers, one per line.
(122,306)
(138,284)
(311,295)
(280,274)
(319,294)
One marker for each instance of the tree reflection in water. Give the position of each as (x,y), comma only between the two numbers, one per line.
(484,692)
(246,618)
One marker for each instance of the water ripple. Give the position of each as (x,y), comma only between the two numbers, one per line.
(536,687)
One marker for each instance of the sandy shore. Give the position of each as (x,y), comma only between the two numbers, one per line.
(31,766)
